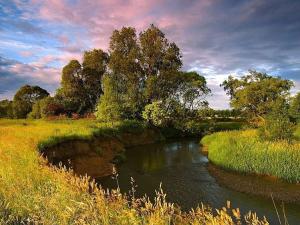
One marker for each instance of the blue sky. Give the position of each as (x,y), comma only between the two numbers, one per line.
(217,37)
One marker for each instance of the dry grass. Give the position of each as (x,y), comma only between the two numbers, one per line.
(32,192)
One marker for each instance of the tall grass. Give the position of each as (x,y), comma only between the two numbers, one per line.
(31,192)
(243,151)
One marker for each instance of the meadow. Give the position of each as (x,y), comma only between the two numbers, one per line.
(245,152)
(32,192)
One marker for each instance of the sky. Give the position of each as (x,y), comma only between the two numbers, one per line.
(217,37)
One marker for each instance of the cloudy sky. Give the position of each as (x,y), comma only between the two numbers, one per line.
(217,37)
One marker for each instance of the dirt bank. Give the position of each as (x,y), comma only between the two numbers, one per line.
(94,157)
(257,185)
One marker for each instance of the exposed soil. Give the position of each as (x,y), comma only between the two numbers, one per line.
(94,157)
(265,186)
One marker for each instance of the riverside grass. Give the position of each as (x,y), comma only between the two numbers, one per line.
(245,152)
(32,192)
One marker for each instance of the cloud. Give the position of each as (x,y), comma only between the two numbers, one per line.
(217,38)
(14,74)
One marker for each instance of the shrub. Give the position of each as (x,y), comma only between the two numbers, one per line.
(277,124)
(46,107)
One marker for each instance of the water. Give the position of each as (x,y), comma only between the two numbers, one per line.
(182,170)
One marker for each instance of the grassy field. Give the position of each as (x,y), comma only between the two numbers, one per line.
(243,151)
(33,192)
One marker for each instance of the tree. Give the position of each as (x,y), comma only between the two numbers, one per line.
(160,60)
(255,93)
(94,66)
(295,107)
(6,110)
(126,69)
(192,90)
(81,84)
(25,98)
(71,92)
(109,107)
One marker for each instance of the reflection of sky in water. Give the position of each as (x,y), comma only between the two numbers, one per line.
(182,170)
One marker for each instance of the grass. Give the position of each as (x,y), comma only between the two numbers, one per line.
(31,192)
(244,152)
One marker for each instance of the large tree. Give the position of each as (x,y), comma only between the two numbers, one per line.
(94,66)
(72,93)
(25,98)
(160,60)
(126,69)
(144,67)
(81,84)
(256,93)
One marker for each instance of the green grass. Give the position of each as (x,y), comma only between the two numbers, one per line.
(244,152)
(33,192)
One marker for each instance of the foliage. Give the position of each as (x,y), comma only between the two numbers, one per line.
(46,107)
(161,59)
(81,84)
(126,70)
(146,70)
(6,109)
(245,152)
(277,125)
(254,94)
(295,107)
(25,98)
(109,107)
(162,114)
(33,192)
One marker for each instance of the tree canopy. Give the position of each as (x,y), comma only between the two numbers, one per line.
(145,69)
(255,93)
(25,98)
(81,84)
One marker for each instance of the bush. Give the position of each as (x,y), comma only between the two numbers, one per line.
(277,125)
(46,107)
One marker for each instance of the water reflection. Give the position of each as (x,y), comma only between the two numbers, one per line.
(182,169)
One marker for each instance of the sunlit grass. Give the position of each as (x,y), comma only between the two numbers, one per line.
(31,191)
(244,152)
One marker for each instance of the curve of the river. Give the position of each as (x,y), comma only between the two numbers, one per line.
(182,169)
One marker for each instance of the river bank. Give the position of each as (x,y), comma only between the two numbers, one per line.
(96,157)
(242,162)
(265,186)
(244,152)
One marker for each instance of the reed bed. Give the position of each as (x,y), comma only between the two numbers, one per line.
(245,152)
(31,192)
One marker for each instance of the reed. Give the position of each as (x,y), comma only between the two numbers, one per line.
(245,152)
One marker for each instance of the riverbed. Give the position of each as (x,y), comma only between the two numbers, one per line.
(182,170)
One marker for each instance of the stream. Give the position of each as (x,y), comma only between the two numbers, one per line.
(182,169)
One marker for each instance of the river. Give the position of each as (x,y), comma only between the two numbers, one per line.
(182,169)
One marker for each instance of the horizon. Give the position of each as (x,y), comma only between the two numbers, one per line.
(217,38)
